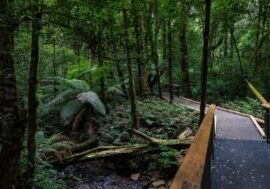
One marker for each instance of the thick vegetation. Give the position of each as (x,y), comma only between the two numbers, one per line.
(77,76)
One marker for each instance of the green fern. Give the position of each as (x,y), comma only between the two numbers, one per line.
(53,144)
(69,110)
(115,91)
(60,99)
(93,99)
(76,95)
(74,84)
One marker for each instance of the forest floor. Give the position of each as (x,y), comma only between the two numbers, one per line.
(155,170)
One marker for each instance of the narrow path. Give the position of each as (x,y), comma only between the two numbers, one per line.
(242,156)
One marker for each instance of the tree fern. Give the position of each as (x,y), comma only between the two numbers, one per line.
(75,84)
(69,110)
(93,99)
(115,91)
(60,99)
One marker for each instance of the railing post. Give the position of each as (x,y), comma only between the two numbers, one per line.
(267,124)
(212,138)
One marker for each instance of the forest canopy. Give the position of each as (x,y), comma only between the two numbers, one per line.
(86,72)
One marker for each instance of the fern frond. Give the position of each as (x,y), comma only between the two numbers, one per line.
(93,99)
(70,109)
(75,84)
(60,98)
(115,91)
(58,138)
(64,145)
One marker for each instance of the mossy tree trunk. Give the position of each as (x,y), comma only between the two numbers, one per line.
(144,74)
(13,119)
(186,90)
(170,52)
(32,98)
(204,65)
(130,73)
(153,31)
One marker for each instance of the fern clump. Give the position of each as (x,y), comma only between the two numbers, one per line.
(74,95)
(54,147)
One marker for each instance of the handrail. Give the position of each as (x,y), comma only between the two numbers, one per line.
(195,171)
(257,93)
(265,105)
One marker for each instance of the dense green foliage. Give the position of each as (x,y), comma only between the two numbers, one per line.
(87,51)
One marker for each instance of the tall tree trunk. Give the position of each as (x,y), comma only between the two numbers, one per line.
(170,61)
(225,51)
(231,28)
(13,119)
(130,73)
(204,67)
(118,67)
(138,46)
(153,31)
(32,98)
(102,78)
(186,90)
(164,42)
(54,66)
(144,75)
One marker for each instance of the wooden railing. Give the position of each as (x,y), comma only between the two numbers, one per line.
(195,171)
(266,106)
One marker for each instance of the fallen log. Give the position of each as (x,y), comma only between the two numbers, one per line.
(169,142)
(92,142)
(113,151)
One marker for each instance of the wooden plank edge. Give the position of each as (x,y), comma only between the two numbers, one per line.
(258,127)
(215,124)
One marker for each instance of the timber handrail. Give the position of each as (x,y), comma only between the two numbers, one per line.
(257,93)
(194,173)
(265,105)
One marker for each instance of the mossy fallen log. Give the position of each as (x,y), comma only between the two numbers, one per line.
(154,145)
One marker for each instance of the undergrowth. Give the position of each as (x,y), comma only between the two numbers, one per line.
(246,105)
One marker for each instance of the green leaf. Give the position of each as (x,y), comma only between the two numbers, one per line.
(60,99)
(93,99)
(70,109)
(115,91)
(75,84)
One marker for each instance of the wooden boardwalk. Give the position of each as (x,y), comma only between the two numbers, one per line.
(241,155)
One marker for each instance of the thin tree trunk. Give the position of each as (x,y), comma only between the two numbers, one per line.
(13,119)
(138,46)
(118,68)
(130,73)
(32,98)
(231,28)
(204,67)
(144,75)
(54,66)
(225,52)
(170,61)
(153,43)
(102,78)
(237,52)
(186,90)
(164,42)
